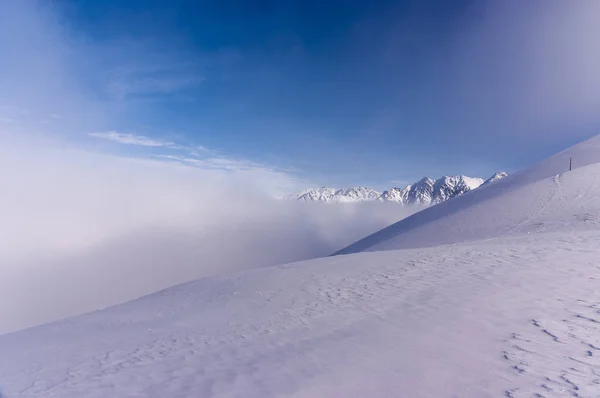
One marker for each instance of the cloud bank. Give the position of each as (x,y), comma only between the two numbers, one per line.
(81,231)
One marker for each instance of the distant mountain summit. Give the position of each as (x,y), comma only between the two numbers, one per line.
(426,191)
(498,176)
(328,194)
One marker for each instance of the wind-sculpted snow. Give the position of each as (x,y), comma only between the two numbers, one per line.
(545,197)
(561,357)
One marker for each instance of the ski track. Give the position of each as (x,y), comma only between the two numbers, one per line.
(515,229)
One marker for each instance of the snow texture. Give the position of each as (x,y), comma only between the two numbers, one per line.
(511,308)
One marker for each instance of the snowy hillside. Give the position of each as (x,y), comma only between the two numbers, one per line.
(423,192)
(513,317)
(542,198)
(510,309)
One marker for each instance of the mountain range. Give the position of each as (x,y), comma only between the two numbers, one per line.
(426,191)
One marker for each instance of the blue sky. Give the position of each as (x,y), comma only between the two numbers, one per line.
(375,93)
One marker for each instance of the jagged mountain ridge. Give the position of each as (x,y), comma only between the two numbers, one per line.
(424,192)
(498,176)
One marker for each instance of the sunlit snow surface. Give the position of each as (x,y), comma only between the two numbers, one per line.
(543,198)
(510,308)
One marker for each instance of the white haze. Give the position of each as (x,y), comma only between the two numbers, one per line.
(527,67)
(81,231)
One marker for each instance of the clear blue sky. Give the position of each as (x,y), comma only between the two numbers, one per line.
(375,93)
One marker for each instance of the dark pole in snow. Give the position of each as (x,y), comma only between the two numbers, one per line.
(570,164)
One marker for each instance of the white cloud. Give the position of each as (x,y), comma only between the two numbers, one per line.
(131,139)
(82,231)
(215,162)
(274,181)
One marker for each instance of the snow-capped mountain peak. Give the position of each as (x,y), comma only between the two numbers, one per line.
(448,187)
(498,176)
(358,194)
(398,195)
(426,191)
(329,194)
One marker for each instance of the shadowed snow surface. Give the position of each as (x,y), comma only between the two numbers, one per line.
(513,310)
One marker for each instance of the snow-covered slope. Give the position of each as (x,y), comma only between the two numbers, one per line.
(423,192)
(540,198)
(515,315)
